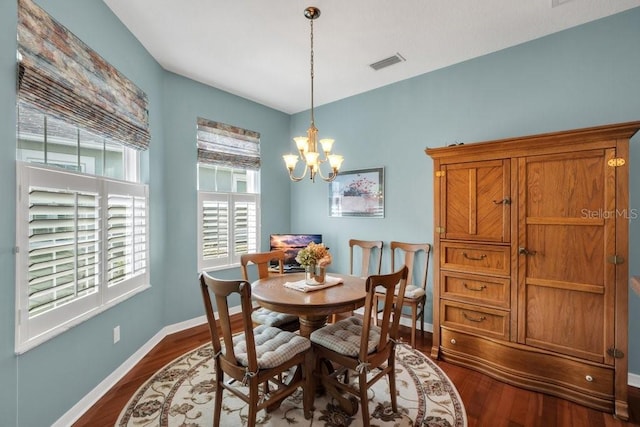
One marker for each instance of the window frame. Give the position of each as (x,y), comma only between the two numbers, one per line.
(67,269)
(232,257)
(234,152)
(30,332)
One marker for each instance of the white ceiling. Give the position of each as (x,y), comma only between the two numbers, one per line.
(259,49)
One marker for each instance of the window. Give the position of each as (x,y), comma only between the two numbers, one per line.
(82,233)
(82,239)
(46,140)
(82,247)
(228,194)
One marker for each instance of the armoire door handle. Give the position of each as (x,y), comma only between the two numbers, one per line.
(525,251)
(505,201)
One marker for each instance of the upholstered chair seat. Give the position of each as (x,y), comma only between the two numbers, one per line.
(264,316)
(261,262)
(344,337)
(412,292)
(273,346)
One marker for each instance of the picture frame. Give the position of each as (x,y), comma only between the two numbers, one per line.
(357,193)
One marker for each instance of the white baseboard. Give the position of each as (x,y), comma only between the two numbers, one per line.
(73,414)
(634,380)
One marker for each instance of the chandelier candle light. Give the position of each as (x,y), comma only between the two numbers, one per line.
(308,145)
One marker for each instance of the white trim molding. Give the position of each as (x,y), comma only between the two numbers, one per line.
(634,380)
(73,414)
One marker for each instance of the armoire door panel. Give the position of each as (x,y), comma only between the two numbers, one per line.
(565,240)
(566,185)
(569,253)
(476,201)
(566,321)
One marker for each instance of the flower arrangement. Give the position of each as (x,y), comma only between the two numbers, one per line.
(314,254)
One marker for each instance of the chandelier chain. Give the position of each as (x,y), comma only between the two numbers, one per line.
(312,115)
(307,146)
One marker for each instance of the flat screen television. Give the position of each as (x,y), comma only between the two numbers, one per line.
(291,245)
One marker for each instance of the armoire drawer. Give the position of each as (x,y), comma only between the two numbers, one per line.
(485,290)
(584,382)
(485,259)
(476,319)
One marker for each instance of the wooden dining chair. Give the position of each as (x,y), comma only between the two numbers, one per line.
(357,345)
(264,316)
(415,295)
(370,257)
(256,358)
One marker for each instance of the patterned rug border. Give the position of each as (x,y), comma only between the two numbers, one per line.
(205,351)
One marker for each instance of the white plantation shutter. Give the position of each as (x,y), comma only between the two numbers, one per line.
(120,238)
(126,239)
(140,244)
(81,245)
(215,228)
(228,227)
(64,249)
(245,224)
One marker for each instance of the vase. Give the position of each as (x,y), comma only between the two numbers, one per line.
(314,274)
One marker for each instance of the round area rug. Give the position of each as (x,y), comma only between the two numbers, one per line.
(182,393)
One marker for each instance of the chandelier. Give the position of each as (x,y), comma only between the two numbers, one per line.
(308,145)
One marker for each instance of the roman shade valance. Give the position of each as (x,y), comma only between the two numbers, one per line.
(227,145)
(61,76)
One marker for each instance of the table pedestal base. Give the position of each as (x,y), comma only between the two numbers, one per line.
(309,324)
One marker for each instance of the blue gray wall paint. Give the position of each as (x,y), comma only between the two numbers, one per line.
(8,361)
(85,355)
(189,100)
(63,370)
(581,77)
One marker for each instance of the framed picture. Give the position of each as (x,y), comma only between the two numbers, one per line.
(357,193)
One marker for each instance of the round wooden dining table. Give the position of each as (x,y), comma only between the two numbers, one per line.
(313,307)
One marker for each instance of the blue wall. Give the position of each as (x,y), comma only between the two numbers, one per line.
(8,362)
(190,100)
(581,77)
(60,372)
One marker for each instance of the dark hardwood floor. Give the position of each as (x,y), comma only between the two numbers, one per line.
(489,403)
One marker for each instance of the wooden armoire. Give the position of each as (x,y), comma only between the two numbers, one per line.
(531,274)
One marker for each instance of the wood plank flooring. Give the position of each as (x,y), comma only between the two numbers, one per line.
(489,403)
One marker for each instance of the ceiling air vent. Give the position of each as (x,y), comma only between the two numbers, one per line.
(387,62)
